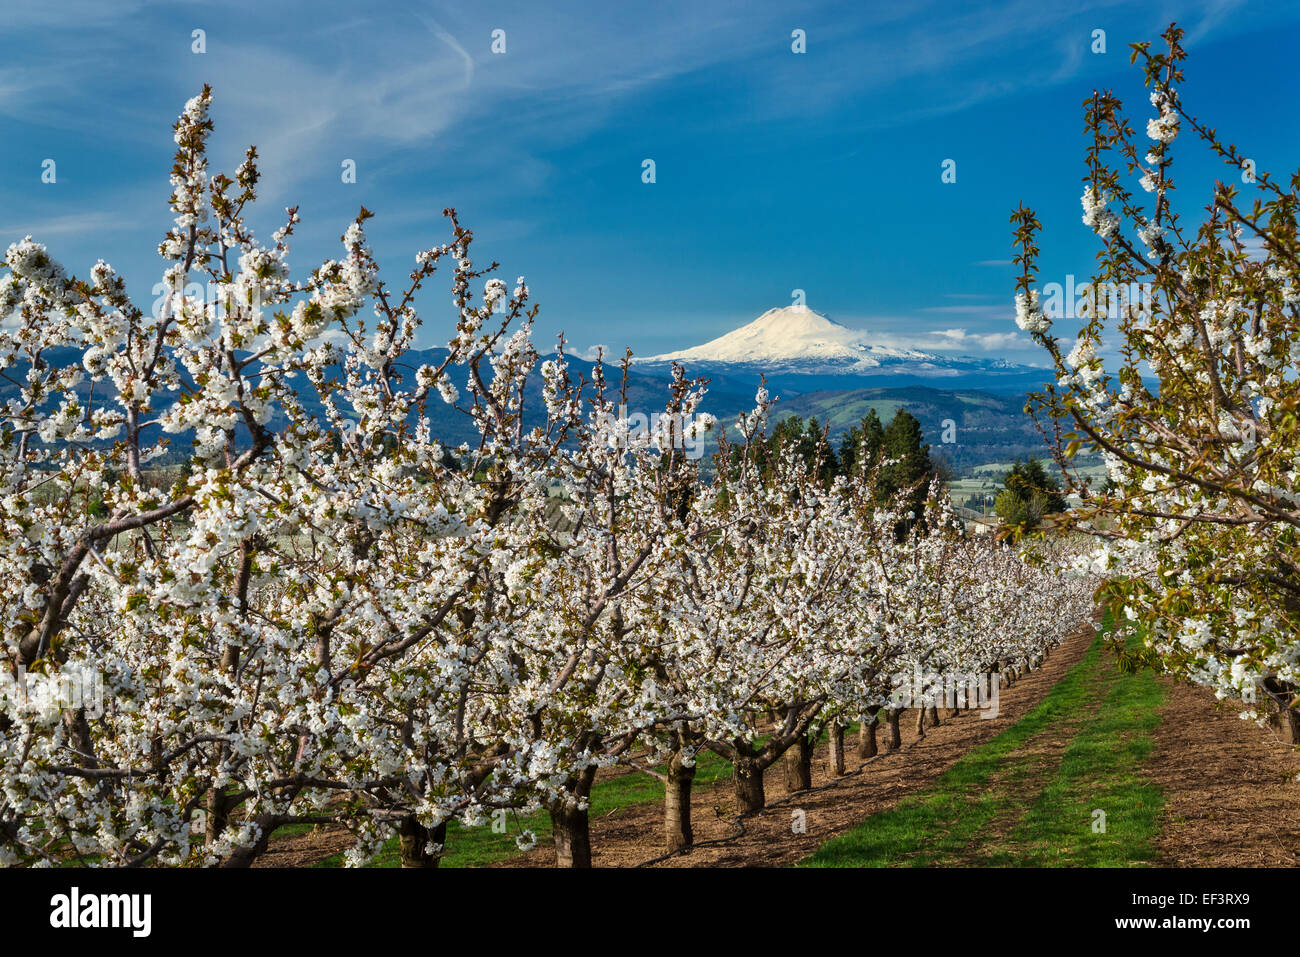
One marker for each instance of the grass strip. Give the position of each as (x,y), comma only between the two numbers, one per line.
(1114,715)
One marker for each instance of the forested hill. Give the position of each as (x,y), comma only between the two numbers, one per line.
(987,427)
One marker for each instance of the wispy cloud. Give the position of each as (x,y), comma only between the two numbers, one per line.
(83,13)
(69,224)
(878,330)
(540,146)
(987,341)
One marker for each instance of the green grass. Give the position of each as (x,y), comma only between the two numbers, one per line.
(1101,770)
(1005,805)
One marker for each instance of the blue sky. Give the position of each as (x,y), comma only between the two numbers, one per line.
(775,171)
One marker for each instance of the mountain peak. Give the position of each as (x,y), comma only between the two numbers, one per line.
(793,334)
(795,318)
(784,333)
(796,339)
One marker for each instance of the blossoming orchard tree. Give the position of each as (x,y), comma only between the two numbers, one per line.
(1198,418)
(284,632)
(804,608)
(764,598)
(580,693)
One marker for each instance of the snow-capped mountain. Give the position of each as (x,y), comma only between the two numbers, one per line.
(796,339)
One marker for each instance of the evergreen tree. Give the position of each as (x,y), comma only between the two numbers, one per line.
(817,451)
(1029,477)
(1028,494)
(910,467)
(860,449)
(809,442)
(903,443)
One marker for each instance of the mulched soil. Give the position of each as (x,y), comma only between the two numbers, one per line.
(1232,798)
(304,850)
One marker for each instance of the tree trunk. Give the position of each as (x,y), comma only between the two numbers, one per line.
(920,722)
(934,715)
(867,737)
(244,855)
(572,836)
(218,801)
(218,808)
(1282,716)
(837,748)
(677,805)
(750,796)
(571,826)
(1288,722)
(895,736)
(798,765)
(413,838)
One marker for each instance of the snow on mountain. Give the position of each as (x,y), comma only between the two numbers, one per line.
(796,338)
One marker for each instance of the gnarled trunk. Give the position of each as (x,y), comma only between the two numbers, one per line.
(867,747)
(1282,717)
(677,805)
(920,722)
(572,832)
(218,814)
(413,841)
(571,826)
(895,735)
(749,785)
(1288,721)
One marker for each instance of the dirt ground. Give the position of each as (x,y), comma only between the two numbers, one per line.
(1232,798)
(304,850)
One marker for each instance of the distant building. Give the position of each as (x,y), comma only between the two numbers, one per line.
(975,523)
